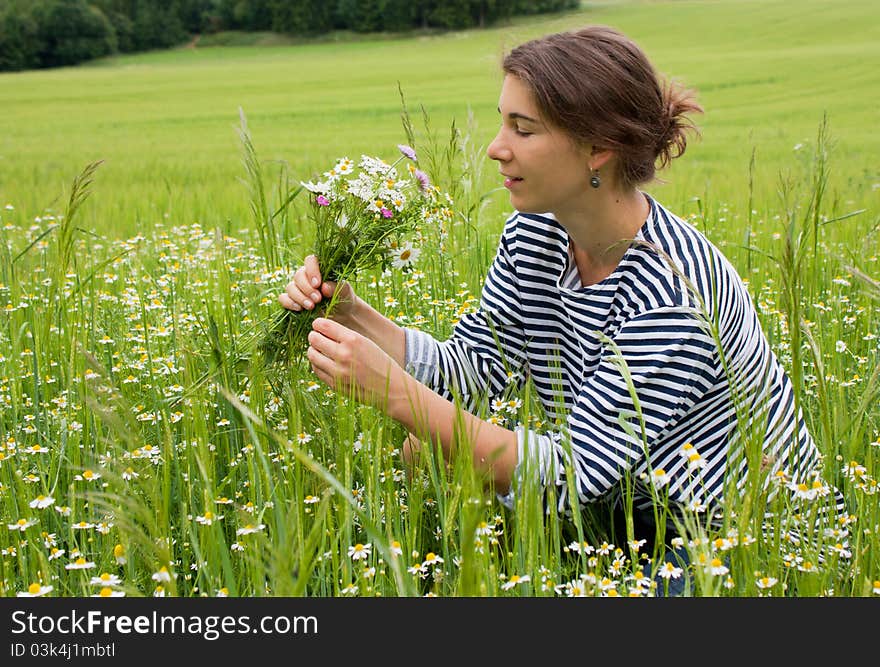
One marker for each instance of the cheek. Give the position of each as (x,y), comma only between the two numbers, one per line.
(569,175)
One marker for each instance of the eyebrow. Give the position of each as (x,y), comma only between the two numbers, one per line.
(513,115)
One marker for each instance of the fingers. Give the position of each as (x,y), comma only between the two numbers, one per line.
(304,281)
(323,344)
(411,451)
(322,367)
(307,288)
(312,272)
(410,447)
(292,297)
(287,302)
(303,292)
(333,330)
(327,354)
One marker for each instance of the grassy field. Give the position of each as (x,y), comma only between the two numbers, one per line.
(164,122)
(136,459)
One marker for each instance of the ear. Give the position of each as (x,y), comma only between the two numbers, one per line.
(599,156)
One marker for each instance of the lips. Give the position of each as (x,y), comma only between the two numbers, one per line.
(510,180)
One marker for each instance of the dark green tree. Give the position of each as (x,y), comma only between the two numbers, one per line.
(72,31)
(451,14)
(20,39)
(359,15)
(301,17)
(249,15)
(157,24)
(45,33)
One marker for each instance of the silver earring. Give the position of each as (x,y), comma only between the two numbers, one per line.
(595,181)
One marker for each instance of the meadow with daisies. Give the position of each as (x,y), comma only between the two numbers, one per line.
(161,433)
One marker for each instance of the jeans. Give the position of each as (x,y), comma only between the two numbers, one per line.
(644,528)
(675,587)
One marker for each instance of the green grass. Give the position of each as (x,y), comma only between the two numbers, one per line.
(164,122)
(123,296)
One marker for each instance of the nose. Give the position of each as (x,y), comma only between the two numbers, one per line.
(497,148)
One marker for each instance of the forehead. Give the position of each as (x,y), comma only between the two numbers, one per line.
(517,98)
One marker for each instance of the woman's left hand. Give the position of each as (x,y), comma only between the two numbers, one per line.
(352,364)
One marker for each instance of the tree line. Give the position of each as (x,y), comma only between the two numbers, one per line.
(55,33)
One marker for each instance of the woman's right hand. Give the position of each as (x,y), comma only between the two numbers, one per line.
(308,289)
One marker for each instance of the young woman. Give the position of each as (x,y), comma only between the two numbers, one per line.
(638,334)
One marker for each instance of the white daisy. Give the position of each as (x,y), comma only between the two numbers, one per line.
(80,564)
(660,478)
(404,256)
(360,551)
(105,579)
(717,568)
(515,580)
(108,592)
(669,571)
(35,590)
(21,525)
(41,502)
(249,529)
(432,559)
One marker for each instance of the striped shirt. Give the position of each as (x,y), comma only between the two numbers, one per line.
(661,371)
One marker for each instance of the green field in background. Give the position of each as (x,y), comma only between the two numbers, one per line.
(165,122)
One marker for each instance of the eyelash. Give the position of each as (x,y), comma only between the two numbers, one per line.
(521,133)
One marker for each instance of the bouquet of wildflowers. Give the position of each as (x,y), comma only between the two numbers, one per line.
(365,216)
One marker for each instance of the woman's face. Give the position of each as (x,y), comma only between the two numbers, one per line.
(544,170)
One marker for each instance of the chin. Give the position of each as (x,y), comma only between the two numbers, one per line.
(532,210)
(523,206)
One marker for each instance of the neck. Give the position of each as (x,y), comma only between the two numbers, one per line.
(600,230)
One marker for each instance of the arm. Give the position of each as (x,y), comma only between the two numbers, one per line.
(355,365)
(431,417)
(369,322)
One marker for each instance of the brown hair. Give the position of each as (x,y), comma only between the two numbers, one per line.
(598,86)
